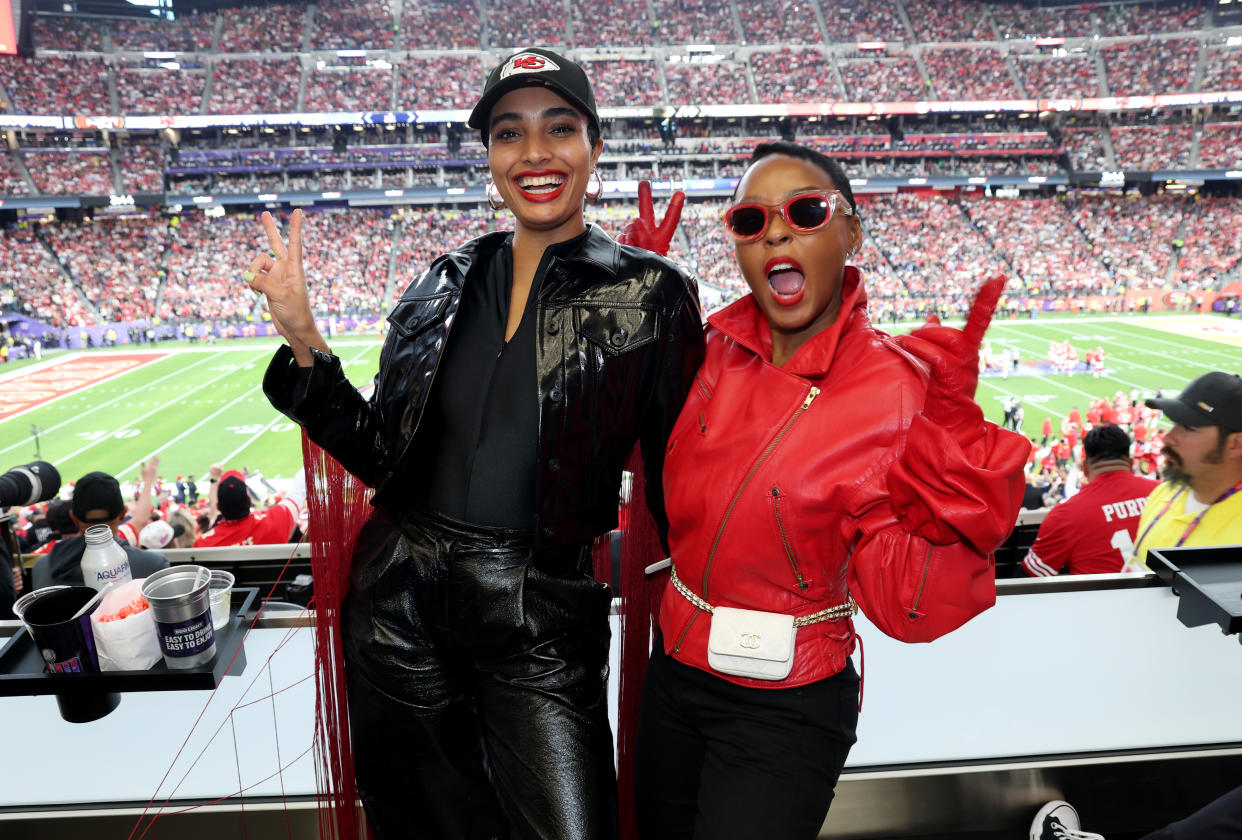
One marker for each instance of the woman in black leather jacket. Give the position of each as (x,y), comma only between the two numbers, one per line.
(519,372)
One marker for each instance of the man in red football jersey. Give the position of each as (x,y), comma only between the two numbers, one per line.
(1093,532)
(238,525)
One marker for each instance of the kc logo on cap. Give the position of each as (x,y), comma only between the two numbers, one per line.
(528,63)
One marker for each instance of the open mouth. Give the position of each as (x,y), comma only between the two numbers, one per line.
(541,186)
(786,280)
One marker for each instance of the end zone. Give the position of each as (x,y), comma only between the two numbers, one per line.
(31,387)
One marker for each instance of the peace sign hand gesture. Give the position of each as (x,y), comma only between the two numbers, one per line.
(953,356)
(279,276)
(643,232)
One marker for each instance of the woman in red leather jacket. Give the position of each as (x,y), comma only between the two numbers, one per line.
(817,463)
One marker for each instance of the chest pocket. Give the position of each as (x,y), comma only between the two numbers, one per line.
(617,329)
(416,315)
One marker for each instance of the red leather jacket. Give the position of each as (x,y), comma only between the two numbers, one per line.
(780,488)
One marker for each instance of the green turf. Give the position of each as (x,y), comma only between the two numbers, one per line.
(192,409)
(197,407)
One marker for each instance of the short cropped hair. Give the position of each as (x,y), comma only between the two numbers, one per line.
(1106,443)
(782,147)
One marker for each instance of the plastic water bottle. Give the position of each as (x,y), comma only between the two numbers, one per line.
(104,561)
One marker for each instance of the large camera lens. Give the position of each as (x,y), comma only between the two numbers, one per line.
(37,481)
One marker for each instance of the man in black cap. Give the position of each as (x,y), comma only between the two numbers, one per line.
(1200,502)
(239,525)
(97,500)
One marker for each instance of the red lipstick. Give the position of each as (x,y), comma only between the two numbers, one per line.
(543,196)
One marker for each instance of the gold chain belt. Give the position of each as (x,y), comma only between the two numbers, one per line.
(849,608)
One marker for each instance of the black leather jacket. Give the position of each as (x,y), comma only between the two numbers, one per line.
(619,340)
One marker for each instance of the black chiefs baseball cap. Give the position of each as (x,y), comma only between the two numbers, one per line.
(1214,399)
(535,66)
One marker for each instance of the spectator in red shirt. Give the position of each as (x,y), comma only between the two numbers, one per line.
(1046,430)
(239,525)
(1093,532)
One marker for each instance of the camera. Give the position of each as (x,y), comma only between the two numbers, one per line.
(37,481)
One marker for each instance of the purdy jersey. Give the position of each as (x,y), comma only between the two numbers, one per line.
(1092,533)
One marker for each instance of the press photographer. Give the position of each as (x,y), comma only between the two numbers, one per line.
(29,484)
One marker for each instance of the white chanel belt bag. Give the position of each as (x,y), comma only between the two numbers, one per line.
(750,643)
(753,643)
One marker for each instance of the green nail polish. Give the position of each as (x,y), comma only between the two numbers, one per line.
(248,276)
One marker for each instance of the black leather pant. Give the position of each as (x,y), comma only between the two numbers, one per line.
(477,677)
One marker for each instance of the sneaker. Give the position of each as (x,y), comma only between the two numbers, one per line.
(1059,821)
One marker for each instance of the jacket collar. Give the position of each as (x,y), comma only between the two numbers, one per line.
(744,322)
(594,247)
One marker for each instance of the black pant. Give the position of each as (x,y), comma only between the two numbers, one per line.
(717,761)
(477,678)
(1220,819)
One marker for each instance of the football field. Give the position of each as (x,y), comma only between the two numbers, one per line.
(195,406)
(191,406)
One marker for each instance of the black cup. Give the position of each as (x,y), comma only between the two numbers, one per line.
(67,646)
(65,643)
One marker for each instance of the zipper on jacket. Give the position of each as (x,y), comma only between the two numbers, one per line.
(698,380)
(686,629)
(763,456)
(780,526)
(918,596)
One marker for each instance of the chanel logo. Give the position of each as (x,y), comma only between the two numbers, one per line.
(750,641)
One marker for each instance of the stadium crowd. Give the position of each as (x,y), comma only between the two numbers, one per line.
(440,24)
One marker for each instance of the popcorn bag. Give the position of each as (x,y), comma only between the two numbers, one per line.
(124,630)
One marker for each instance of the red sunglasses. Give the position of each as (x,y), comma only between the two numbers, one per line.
(804,213)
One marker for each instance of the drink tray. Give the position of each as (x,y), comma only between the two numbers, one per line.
(1208,582)
(21,666)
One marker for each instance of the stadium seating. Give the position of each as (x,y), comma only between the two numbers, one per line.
(1059,77)
(233,88)
(1221,146)
(1137,68)
(802,75)
(153,90)
(353,25)
(1152,146)
(780,22)
(617,23)
(882,79)
(920,250)
(70,171)
(695,21)
(974,73)
(275,28)
(438,25)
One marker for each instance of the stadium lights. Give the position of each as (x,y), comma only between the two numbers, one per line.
(330,194)
(700,48)
(1234,173)
(977,180)
(394,193)
(1038,179)
(170,65)
(455,191)
(916,182)
(351,53)
(267,196)
(158,56)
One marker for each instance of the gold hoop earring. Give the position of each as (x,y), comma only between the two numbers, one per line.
(494,198)
(599,187)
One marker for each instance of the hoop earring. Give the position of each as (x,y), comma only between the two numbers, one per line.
(494,198)
(599,187)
